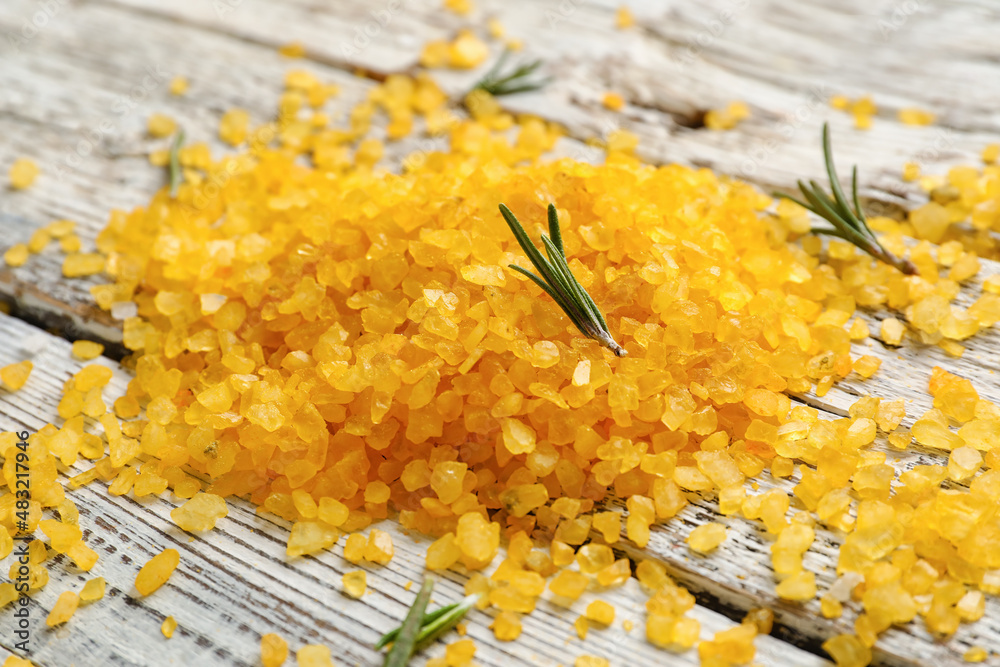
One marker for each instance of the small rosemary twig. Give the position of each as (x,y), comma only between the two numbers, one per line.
(848,224)
(406,642)
(175,164)
(435,623)
(559,282)
(497,83)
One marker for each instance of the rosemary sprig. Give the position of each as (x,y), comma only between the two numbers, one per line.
(559,282)
(175,164)
(848,224)
(435,623)
(406,643)
(496,83)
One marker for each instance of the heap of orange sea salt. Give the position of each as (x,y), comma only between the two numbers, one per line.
(339,342)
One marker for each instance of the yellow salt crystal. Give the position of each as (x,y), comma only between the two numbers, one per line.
(308,537)
(911,171)
(858,330)
(975,654)
(355,583)
(157,571)
(314,655)
(292,50)
(609,524)
(82,264)
(862,121)
(460,7)
(460,653)
(591,661)
(22,173)
(613,101)
(840,102)
(600,612)
(435,53)
(14,376)
(354,548)
(234,126)
(168,626)
(379,548)
(467,51)
(848,651)
(569,584)
(624,18)
(63,609)
(990,153)
(86,350)
(706,537)
(506,626)
(273,650)
(762,618)
(178,85)
(200,513)
(16,255)
(798,587)
(830,607)
(92,590)
(892,331)
(160,126)
(910,116)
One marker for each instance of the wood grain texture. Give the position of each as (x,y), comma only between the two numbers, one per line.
(682,59)
(235,583)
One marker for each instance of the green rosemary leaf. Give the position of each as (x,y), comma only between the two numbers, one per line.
(567,307)
(558,281)
(175,164)
(574,288)
(848,223)
(545,270)
(496,83)
(456,612)
(554,232)
(406,641)
(429,618)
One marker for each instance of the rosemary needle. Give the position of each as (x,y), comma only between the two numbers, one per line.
(558,281)
(435,623)
(175,164)
(848,224)
(406,640)
(497,83)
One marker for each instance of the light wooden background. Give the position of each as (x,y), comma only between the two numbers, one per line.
(75,94)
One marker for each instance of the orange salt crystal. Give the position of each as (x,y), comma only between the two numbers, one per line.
(379,548)
(156,572)
(613,101)
(168,626)
(200,512)
(273,650)
(92,590)
(355,583)
(506,626)
(14,376)
(64,609)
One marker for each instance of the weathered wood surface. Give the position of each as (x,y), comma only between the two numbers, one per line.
(682,59)
(235,583)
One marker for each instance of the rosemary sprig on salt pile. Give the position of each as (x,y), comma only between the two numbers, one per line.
(848,224)
(559,282)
